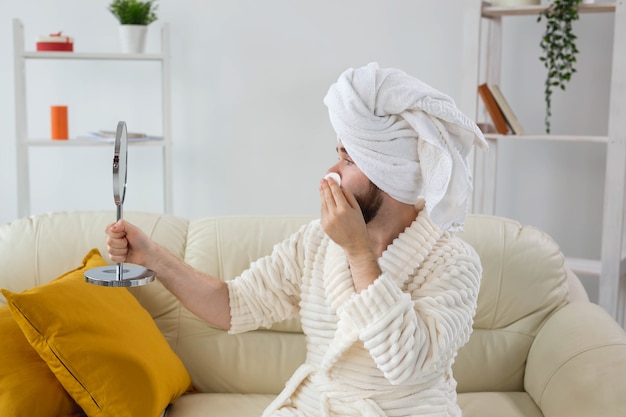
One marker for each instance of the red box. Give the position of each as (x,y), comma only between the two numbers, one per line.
(55,42)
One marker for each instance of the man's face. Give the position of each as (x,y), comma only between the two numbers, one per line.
(368,195)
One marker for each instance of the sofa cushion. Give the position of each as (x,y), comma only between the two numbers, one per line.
(479,404)
(224,247)
(27,386)
(102,346)
(498,404)
(220,405)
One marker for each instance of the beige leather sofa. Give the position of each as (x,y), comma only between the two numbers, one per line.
(539,347)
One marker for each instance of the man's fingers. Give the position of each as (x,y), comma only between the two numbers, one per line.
(117,258)
(327,197)
(336,193)
(117,243)
(116,230)
(351,199)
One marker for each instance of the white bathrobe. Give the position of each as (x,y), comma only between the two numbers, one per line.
(387,351)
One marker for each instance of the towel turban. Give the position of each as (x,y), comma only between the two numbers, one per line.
(409,139)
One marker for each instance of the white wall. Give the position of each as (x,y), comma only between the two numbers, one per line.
(251,134)
(250,131)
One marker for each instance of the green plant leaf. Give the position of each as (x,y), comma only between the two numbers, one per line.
(134,12)
(558,44)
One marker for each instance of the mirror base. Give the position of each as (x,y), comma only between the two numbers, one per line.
(132,276)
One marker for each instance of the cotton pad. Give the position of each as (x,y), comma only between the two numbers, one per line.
(335,177)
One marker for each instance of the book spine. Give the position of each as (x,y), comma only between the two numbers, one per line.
(494,111)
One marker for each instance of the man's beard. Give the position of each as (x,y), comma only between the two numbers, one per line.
(370,202)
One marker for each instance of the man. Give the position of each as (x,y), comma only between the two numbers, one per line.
(385,294)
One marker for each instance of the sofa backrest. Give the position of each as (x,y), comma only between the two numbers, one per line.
(524,281)
(224,247)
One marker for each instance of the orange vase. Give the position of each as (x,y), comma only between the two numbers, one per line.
(58,122)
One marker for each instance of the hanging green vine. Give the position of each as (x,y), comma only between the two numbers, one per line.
(559,48)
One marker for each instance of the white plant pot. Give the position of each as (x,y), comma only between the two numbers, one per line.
(508,3)
(133,38)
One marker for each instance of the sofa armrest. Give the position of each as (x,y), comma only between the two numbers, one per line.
(577,364)
(575,288)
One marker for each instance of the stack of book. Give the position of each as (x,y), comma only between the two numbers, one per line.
(499,110)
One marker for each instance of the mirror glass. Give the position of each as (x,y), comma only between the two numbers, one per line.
(120,158)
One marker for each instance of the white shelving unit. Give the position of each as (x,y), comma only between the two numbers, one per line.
(25,142)
(611,268)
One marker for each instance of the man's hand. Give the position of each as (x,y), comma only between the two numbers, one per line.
(343,222)
(127,243)
(342,219)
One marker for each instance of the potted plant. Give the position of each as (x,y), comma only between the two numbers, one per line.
(134,17)
(559,48)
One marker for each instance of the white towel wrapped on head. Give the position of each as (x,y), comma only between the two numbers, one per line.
(409,139)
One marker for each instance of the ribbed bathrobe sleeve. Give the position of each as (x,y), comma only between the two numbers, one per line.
(268,291)
(414,332)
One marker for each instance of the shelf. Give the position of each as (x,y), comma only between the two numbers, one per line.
(24,142)
(92,56)
(499,11)
(588,266)
(611,268)
(554,138)
(88,142)
(584,266)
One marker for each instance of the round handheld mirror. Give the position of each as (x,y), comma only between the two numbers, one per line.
(120,159)
(122,275)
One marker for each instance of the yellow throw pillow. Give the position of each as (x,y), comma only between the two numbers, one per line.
(101,344)
(27,387)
